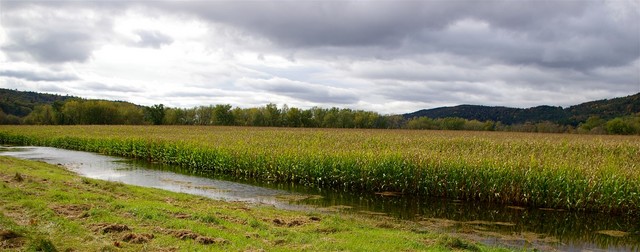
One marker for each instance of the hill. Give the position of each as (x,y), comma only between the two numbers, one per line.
(21,103)
(573,115)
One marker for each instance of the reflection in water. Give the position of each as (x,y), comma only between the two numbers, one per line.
(571,231)
(122,170)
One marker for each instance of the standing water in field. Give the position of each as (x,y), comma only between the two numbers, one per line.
(546,229)
(123,170)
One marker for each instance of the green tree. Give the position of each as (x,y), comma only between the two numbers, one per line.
(41,115)
(451,123)
(155,114)
(619,126)
(294,118)
(592,124)
(272,115)
(223,115)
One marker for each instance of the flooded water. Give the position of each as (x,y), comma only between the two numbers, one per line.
(516,227)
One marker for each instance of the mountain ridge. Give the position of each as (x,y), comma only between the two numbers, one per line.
(572,115)
(21,103)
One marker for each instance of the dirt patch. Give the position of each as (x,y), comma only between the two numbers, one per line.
(18,215)
(71,211)
(8,234)
(18,177)
(11,240)
(110,228)
(183,234)
(289,223)
(137,238)
(209,240)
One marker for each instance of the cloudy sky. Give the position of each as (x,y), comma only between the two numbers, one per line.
(384,56)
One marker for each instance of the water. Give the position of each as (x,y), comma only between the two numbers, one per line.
(544,229)
(102,167)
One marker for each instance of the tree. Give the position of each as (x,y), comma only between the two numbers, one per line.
(619,126)
(223,115)
(272,115)
(293,117)
(592,124)
(155,114)
(41,115)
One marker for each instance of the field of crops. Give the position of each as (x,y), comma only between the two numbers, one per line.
(575,172)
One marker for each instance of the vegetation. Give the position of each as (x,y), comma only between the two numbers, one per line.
(47,208)
(615,116)
(575,172)
(20,104)
(571,116)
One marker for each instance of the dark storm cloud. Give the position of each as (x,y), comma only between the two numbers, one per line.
(153,39)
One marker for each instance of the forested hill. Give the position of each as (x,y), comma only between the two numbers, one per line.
(605,109)
(21,103)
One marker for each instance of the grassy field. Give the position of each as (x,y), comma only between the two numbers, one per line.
(47,208)
(576,172)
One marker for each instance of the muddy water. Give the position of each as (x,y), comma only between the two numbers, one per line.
(516,227)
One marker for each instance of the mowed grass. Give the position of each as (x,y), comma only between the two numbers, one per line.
(47,208)
(575,172)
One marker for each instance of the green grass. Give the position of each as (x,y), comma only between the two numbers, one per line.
(575,172)
(52,209)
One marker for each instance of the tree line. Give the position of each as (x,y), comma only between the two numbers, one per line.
(81,111)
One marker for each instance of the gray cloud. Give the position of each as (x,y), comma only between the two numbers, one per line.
(303,91)
(55,34)
(51,47)
(38,75)
(102,87)
(153,39)
(565,34)
(514,53)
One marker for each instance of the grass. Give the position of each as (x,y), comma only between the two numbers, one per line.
(51,209)
(574,172)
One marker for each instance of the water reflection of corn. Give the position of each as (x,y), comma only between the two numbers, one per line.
(579,172)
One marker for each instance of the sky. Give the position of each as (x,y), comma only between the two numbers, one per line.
(387,56)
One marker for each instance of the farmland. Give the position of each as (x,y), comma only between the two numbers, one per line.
(573,172)
(45,207)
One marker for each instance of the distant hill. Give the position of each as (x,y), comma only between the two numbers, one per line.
(605,109)
(21,103)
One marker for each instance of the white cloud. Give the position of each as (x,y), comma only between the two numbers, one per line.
(384,56)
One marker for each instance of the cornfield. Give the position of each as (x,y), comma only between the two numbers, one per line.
(573,172)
